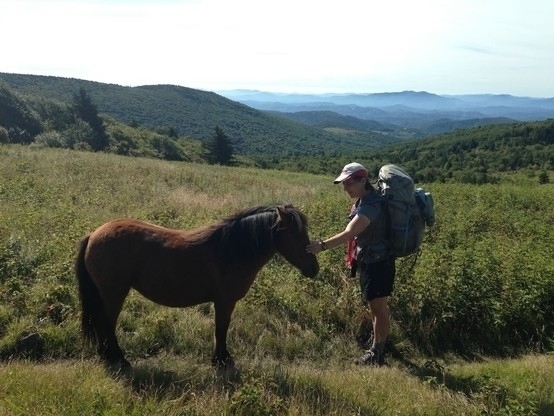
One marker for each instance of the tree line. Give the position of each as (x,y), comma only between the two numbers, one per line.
(473,156)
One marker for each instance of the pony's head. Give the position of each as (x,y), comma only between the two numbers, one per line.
(292,238)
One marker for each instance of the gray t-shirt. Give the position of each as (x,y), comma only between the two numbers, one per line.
(372,242)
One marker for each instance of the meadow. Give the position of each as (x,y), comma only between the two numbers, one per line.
(473,322)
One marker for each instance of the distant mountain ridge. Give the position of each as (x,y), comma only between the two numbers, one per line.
(404,109)
(414,99)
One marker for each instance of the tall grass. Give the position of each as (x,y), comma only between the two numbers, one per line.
(482,287)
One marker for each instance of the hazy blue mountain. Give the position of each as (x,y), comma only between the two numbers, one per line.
(407,108)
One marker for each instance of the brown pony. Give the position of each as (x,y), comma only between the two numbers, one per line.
(216,263)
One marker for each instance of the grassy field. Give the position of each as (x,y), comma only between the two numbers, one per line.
(472,321)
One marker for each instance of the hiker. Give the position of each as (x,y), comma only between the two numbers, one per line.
(376,267)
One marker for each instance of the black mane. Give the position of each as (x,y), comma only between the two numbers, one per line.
(251,232)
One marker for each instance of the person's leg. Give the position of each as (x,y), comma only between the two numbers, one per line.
(381,324)
(376,283)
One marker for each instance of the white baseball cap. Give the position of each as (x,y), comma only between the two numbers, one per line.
(350,170)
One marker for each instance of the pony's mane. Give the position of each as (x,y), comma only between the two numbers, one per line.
(263,214)
(248,232)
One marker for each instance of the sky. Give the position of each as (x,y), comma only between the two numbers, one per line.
(289,46)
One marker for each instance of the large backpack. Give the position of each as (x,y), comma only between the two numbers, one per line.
(409,210)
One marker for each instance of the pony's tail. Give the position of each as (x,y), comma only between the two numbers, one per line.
(92,305)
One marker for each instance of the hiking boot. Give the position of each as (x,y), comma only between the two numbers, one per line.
(370,357)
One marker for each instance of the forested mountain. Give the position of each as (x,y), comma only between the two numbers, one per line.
(146,122)
(477,155)
(194,114)
(330,119)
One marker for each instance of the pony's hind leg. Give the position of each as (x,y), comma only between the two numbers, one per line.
(108,346)
(110,351)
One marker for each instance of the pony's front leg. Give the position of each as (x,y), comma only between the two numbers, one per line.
(221,357)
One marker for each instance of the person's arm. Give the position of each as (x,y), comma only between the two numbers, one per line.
(354,227)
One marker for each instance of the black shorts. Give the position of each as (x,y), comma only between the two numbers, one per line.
(377,279)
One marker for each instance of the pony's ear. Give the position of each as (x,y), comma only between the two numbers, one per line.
(289,217)
(282,213)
